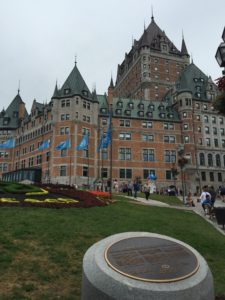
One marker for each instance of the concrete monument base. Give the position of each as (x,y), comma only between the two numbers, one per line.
(145,270)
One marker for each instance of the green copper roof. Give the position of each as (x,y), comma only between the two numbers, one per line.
(10,117)
(144,110)
(192,79)
(74,85)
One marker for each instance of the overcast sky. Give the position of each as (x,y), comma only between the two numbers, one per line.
(40,38)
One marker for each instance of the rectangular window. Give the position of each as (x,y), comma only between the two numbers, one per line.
(220,177)
(147,124)
(85,153)
(222,131)
(148,155)
(203,175)
(104,172)
(216,143)
(207,141)
(169,175)
(62,171)
(63,153)
(186,139)
(104,154)
(125,123)
(85,131)
(47,156)
(147,137)
(67,102)
(125,136)
(223,143)
(147,172)
(211,176)
(170,156)
(85,171)
(39,159)
(31,161)
(169,139)
(125,153)
(125,173)
(63,103)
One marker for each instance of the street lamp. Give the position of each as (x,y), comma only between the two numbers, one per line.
(220,53)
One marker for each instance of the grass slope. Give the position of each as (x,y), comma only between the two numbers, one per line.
(42,249)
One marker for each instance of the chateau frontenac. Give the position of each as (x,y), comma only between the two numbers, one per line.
(158,117)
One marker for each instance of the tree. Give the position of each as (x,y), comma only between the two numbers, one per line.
(219,102)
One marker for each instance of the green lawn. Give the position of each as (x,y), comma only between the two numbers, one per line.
(42,249)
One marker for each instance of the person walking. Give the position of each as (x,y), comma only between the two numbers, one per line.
(129,188)
(136,188)
(146,191)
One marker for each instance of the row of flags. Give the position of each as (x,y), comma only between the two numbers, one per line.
(105,140)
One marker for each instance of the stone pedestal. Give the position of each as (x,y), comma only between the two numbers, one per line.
(141,266)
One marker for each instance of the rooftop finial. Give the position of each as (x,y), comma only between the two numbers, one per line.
(75,59)
(19,88)
(152,13)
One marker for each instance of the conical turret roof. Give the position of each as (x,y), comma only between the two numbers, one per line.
(75,85)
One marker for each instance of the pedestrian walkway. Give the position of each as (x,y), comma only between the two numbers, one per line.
(197,209)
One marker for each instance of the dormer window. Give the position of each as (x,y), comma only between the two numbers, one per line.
(128,112)
(85,93)
(151,107)
(170,116)
(131,105)
(66,91)
(162,115)
(103,110)
(119,111)
(141,105)
(5,121)
(141,113)
(120,104)
(161,107)
(149,114)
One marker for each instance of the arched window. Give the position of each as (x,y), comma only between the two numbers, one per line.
(218,162)
(210,160)
(202,159)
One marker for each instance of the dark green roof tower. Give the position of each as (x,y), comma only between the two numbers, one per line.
(74,85)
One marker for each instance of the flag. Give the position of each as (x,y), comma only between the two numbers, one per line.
(63,145)
(44,145)
(105,138)
(8,144)
(84,143)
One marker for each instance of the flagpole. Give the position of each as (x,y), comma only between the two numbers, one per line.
(88,159)
(102,172)
(110,193)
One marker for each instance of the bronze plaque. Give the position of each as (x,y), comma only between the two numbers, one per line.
(151,259)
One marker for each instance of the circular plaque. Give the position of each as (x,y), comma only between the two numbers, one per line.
(151,259)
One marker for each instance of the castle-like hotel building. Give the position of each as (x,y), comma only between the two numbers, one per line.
(160,103)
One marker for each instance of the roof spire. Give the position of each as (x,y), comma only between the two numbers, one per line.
(152,13)
(75,59)
(183,46)
(19,88)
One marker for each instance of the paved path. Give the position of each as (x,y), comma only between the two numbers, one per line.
(197,209)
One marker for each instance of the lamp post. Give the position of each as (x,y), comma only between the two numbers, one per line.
(220,53)
(182,161)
